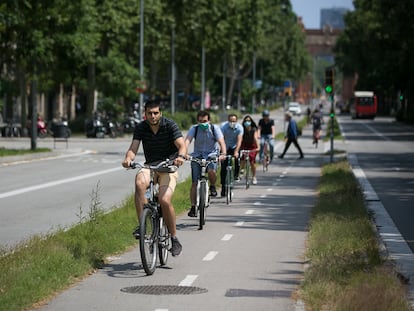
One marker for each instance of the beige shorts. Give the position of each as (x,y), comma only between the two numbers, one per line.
(163,179)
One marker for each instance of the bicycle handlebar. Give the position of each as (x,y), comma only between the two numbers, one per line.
(246,151)
(203,162)
(163,167)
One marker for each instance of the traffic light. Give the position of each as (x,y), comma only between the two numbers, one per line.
(329,80)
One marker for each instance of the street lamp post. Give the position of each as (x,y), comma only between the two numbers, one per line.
(203,81)
(141,57)
(173,70)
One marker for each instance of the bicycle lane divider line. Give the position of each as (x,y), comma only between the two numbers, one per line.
(210,256)
(56,183)
(188,280)
(227,237)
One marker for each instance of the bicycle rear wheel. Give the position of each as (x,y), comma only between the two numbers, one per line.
(148,240)
(163,243)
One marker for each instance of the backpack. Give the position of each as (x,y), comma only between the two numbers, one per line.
(212,130)
(316,122)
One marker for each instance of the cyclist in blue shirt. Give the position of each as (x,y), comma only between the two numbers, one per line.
(233,135)
(208,143)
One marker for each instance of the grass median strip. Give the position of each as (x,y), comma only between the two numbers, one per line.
(346,271)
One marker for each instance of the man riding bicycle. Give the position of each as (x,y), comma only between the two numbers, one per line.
(161,139)
(233,135)
(208,142)
(266,133)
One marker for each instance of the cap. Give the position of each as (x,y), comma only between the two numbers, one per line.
(265,113)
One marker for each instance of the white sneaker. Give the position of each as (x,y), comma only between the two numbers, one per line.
(254,181)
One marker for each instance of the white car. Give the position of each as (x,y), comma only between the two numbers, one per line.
(294,108)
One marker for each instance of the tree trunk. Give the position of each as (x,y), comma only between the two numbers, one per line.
(90,104)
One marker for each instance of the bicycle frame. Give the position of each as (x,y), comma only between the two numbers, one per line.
(153,232)
(202,194)
(247,165)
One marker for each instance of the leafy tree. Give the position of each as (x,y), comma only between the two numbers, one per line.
(377,44)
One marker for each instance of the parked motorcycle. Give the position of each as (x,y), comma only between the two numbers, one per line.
(11,129)
(41,128)
(129,123)
(94,128)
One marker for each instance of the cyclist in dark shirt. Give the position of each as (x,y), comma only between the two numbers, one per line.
(266,133)
(161,139)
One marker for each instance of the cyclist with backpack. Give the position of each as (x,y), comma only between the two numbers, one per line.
(317,121)
(267,133)
(208,143)
(233,135)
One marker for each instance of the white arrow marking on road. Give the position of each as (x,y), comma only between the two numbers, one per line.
(250,211)
(55,183)
(210,256)
(189,280)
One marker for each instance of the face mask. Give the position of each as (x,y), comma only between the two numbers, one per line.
(203,126)
(232,125)
(247,123)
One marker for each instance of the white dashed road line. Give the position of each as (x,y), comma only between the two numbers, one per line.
(189,280)
(227,237)
(210,256)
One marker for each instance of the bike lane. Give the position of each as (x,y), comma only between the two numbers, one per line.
(250,255)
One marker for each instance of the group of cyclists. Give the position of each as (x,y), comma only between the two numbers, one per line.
(161,139)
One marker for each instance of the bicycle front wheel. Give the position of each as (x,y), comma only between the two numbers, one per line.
(148,240)
(247,173)
(202,203)
(163,243)
(228,185)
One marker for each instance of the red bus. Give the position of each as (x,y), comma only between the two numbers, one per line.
(363,105)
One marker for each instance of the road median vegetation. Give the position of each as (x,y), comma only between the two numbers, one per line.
(346,271)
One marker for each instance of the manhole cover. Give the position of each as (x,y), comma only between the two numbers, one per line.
(164,290)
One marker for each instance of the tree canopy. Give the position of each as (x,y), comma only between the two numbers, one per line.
(94,44)
(378,45)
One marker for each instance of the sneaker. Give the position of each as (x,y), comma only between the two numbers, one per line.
(223,193)
(280,156)
(254,181)
(176,247)
(301,157)
(136,233)
(237,179)
(192,212)
(213,191)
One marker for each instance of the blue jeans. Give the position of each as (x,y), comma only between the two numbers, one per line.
(271,141)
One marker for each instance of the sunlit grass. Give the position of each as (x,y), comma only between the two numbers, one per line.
(13,152)
(346,270)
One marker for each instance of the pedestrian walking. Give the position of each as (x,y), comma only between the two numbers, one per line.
(292,134)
